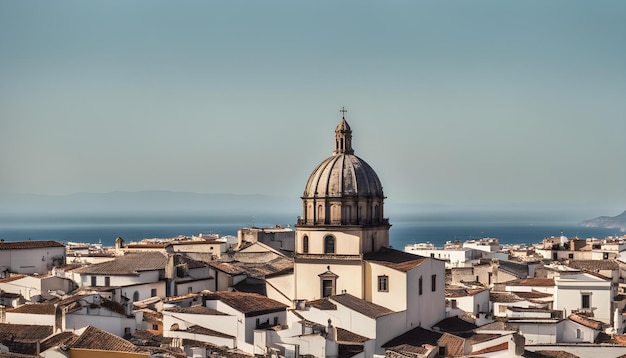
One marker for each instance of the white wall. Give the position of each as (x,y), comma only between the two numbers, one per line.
(568,333)
(145,290)
(100,318)
(29,318)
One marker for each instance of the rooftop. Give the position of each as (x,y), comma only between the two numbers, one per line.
(397,260)
(128,264)
(16,245)
(250,304)
(365,308)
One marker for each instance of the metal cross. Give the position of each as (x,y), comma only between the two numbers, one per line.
(343,110)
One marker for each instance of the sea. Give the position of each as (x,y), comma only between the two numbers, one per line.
(406,229)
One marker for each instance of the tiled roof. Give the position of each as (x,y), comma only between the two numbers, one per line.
(35,308)
(252,269)
(65,338)
(128,264)
(250,304)
(594,265)
(207,332)
(16,245)
(496,326)
(11,278)
(533,295)
(482,337)
(346,337)
(459,291)
(180,259)
(196,309)
(496,348)
(455,345)
(454,325)
(365,308)
(531,282)
(322,304)
(514,268)
(504,297)
(94,338)
(24,331)
(397,260)
(586,321)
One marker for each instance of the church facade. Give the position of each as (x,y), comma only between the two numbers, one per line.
(342,245)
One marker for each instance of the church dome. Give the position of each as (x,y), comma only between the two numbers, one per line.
(343,174)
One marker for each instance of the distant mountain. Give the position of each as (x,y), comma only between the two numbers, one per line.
(608,222)
(148,202)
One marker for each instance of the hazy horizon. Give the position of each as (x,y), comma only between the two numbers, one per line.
(474,106)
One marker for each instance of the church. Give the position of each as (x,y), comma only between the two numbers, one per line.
(342,246)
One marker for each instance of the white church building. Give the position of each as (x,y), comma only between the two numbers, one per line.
(342,247)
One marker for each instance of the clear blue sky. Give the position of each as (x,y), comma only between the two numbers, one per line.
(460,103)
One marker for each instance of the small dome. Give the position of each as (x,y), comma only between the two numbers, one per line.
(343,175)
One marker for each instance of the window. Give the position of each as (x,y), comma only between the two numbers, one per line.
(383,283)
(107,281)
(579,333)
(136,296)
(305,244)
(155,327)
(329,245)
(419,285)
(93,281)
(586,301)
(327,288)
(258,322)
(571,256)
(275,321)
(153,292)
(126,330)
(453,303)
(189,289)
(433,282)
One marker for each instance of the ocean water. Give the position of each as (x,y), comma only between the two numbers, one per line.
(407,230)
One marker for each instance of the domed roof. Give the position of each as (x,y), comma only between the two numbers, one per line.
(343,173)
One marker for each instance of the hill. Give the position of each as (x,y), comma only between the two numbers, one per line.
(608,222)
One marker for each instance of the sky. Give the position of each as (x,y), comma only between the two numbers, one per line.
(453,103)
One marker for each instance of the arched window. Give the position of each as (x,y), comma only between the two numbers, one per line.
(320,211)
(305,244)
(329,245)
(136,296)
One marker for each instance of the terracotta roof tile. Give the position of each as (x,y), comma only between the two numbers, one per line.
(504,297)
(128,264)
(65,338)
(250,304)
(594,265)
(35,308)
(346,337)
(207,332)
(322,304)
(24,331)
(531,282)
(16,245)
(94,338)
(196,309)
(455,345)
(368,309)
(586,321)
(496,348)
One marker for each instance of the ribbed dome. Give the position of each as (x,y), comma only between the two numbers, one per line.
(343,175)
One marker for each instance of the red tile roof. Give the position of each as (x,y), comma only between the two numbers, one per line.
(496,348)
(364,307)
(17,245)
(250,304)
(94,338)
(128,264)
(531,282)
